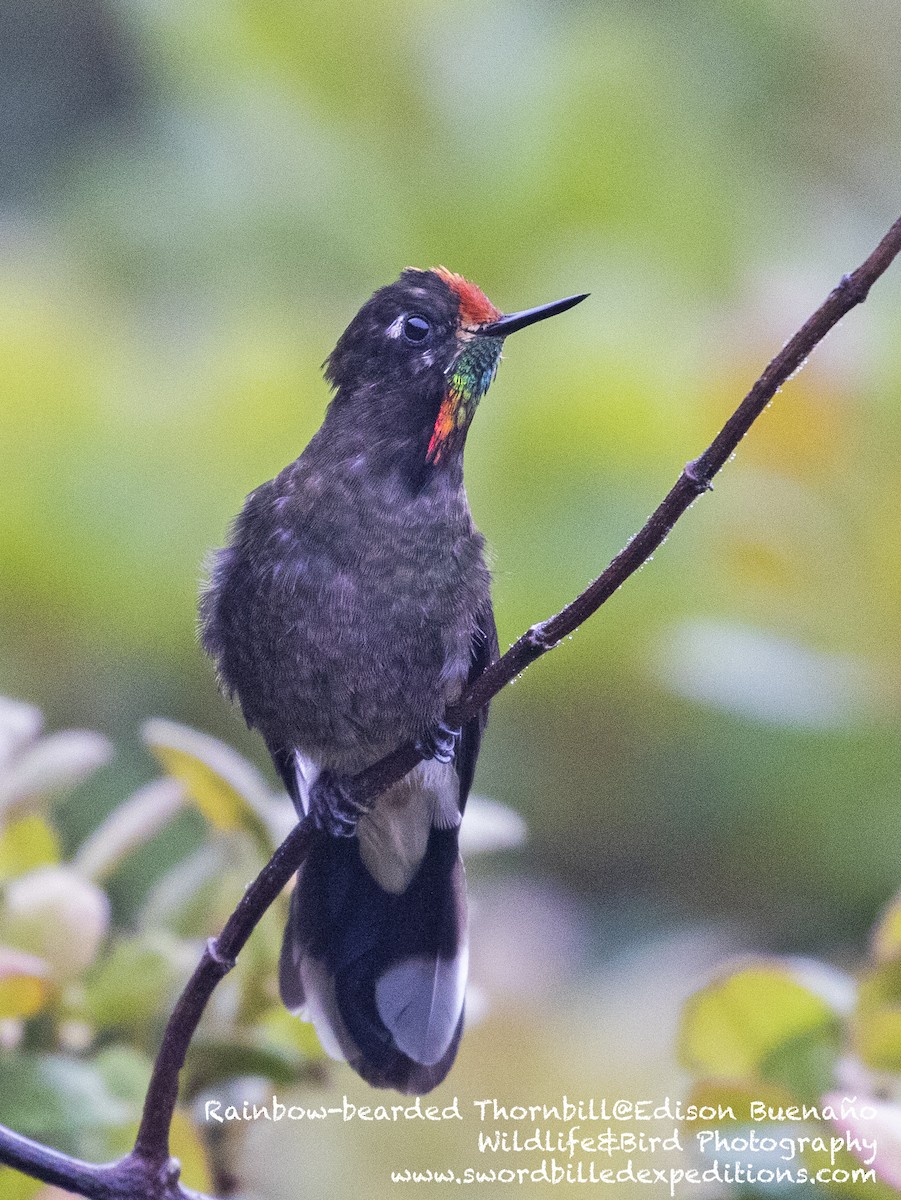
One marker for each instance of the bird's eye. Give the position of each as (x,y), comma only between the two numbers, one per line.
(416,329)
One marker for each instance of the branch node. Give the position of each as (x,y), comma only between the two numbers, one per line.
(537,636)
(212,949)
(851,285)
(170,1172)
(698,479)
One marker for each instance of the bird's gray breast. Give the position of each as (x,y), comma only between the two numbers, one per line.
(359,606)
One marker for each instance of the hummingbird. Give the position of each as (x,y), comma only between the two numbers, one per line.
(349,608)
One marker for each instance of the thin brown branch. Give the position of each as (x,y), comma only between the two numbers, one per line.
(218,959)
(51,1166)
(693,482)
(131,1178)
(148,1173)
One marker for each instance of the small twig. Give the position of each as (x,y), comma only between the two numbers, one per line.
(148,1173)
(130,1178)
(218,959)
(51,1166)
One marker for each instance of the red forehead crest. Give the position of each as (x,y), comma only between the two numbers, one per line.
(475,307)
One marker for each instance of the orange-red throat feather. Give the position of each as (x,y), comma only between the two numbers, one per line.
(471,373)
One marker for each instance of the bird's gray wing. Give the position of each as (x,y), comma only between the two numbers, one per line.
(483,650)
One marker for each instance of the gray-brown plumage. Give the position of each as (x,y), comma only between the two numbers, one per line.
(348,610)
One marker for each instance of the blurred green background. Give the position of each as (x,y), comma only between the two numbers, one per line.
(196,198)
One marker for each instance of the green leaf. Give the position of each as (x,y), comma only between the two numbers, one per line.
(762,1021)
(126,1073)
(133,823)
(58,1100)
(136,982)
(179,900)
(876,1024)
(227,789)
(212,1060)
(196,898)
(805,1064)
(25,843)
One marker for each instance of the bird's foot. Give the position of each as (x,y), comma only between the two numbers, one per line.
(439,742)
(333,807)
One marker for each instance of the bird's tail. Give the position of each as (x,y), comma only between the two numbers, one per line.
(381,975)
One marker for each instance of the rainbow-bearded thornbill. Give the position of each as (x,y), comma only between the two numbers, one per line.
(349,609)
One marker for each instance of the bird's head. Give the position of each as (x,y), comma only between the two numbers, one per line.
(423,351)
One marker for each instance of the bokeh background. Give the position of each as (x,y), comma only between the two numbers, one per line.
(196,198)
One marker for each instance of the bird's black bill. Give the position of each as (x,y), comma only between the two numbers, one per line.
(519,320)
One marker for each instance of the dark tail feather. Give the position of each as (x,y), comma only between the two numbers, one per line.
(381,976)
